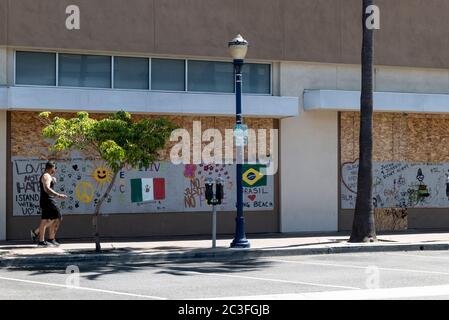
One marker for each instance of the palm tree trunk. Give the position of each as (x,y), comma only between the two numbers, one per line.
(363,228)
(97,212)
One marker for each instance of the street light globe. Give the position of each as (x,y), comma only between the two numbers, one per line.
(238,48)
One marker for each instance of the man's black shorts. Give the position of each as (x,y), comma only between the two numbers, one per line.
(50,211)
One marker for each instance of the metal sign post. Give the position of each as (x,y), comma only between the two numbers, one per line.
(214,227)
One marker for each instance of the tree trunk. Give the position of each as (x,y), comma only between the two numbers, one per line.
(363,228)
(97,212)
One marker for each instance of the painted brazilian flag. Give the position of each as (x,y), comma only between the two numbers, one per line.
(147,189)
(252,176)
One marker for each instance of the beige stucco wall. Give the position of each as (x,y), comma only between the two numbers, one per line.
(309,152)
(3,175)
(309,188)
(276,29)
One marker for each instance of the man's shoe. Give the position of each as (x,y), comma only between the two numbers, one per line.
(53,243)
(34,236)
(42,244)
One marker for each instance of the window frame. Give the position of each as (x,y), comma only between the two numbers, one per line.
(210,92)
(168,58)
(34,51)
(228,60)
(149,57)
(86,54)
(132,56)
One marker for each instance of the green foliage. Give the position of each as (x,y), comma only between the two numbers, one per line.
(117,139)
(69,133)
(45,115)
(113,154)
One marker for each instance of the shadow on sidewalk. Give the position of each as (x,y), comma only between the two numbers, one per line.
(31,246)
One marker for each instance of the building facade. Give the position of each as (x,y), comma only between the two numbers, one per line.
(169,58)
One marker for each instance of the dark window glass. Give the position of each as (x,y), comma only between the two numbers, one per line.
(210,76)
(256,78)
(36,68)
(130,73)
(168,74)
(76,70)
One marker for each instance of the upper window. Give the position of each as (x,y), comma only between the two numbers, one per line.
(76,70)
(95,71)
(131,73)
(168,74)
(36,68)
(256,78)
(210,76)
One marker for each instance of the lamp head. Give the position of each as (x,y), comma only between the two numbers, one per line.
(238,47)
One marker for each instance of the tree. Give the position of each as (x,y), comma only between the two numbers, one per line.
(117,140)
(364,228)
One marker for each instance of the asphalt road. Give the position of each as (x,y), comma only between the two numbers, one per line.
(401,275)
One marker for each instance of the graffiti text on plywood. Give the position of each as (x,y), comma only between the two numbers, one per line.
(26,187)
(399,185)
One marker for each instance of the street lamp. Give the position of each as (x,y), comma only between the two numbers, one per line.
(238,48)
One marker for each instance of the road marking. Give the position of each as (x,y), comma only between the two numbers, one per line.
(81,288)
(358,267)
(365,294)
(273,280)
(263,279)
(416,255)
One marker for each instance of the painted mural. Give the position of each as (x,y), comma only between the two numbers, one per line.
(399,185)
(162,187)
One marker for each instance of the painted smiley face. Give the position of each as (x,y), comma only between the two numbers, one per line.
(102,175)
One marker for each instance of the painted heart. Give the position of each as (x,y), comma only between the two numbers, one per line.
(252,197)
(348,166)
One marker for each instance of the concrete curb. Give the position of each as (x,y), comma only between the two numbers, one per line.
(73,258)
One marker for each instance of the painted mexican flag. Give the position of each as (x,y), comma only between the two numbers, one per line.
(147,189)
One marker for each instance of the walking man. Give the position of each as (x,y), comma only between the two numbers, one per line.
(51,216)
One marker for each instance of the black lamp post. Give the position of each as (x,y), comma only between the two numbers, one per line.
(238,48)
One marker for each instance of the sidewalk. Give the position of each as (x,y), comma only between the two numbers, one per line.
(169,250)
